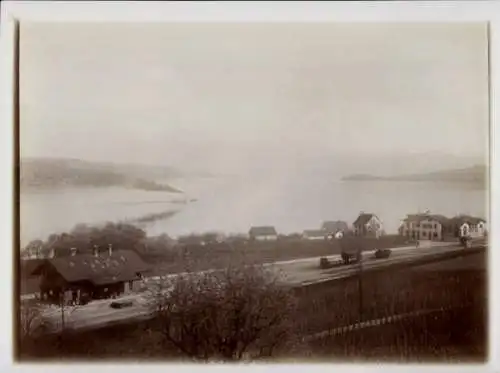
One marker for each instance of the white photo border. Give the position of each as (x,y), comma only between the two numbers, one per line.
(145,11)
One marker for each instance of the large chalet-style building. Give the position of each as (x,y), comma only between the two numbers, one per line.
(83,277)
(368,225)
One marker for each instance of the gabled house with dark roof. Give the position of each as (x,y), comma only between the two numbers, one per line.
(190,240)
(334,227)
(263,233)
(314,234)
(368,225)
(90,276)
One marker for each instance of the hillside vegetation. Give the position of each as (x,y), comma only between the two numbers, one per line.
(55,173)
(471,175)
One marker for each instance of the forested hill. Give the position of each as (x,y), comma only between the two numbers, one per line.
(37,173)
(476,175)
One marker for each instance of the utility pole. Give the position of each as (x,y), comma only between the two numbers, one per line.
(360,285)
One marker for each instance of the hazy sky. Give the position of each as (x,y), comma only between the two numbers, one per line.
(197,94)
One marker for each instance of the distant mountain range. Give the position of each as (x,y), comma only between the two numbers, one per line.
(37,173)
(476,175)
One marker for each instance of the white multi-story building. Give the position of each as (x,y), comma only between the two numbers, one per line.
(438,227)
(423,227)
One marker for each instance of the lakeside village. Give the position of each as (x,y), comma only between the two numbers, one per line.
(80,277)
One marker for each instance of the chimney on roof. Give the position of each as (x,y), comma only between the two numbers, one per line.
(110,249)
(96,251)
(73,251)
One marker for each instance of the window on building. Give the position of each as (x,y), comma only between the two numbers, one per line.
(424,234)
(435,235)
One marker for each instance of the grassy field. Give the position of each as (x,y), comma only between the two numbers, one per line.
(222,255)
(443,336)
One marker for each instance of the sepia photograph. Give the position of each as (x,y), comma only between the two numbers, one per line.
(252,192)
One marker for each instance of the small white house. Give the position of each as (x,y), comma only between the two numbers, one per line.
(473,228)
(335,236)
(264,233)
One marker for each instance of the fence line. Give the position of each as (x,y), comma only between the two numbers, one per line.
(378,322)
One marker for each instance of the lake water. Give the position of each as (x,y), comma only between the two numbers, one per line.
(233,204)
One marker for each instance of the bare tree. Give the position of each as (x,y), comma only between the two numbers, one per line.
(66,309)
(225,314)
(32,323)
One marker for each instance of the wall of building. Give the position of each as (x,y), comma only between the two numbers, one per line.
(132,286)
(266,238)
(373,228)
(423,230)
(473,230)
(314,238)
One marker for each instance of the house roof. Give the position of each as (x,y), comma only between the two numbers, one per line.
(190,240)
(334,226)
(440,218)
(212,236)
(417,218)
(28,266)
(263,231)
(122,265)
(314,233)
(363,219)
(466,219)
